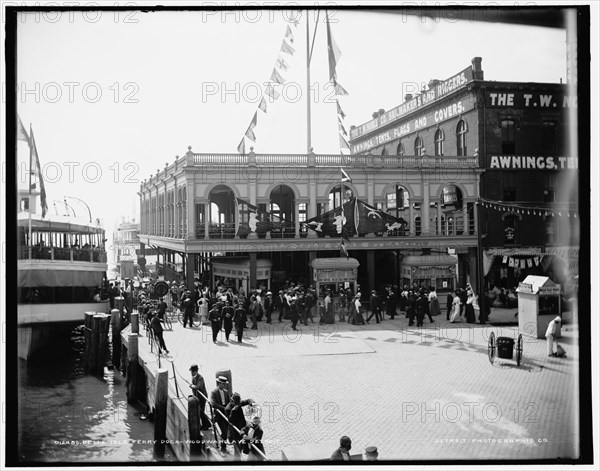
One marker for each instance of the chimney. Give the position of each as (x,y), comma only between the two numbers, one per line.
(476,67)
(432,83)
(381,111)
(375,114)
(408,97)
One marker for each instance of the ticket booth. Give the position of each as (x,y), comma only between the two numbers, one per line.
(539,303)
(330,273)
(234,272)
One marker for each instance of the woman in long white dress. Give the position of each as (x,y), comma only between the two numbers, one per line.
(455,315)
(203,303)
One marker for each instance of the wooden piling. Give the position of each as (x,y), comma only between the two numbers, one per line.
(196,436)
(132,368)
(115,322)
(160,412)
(103,326)
(135,323)
(88,320)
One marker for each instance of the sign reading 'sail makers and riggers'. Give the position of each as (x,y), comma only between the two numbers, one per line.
(438,91)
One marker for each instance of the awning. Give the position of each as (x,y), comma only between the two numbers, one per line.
(58,278)
(515,251)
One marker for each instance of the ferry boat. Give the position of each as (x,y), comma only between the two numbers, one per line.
(61,268)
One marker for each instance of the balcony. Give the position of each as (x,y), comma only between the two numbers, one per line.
(61,253)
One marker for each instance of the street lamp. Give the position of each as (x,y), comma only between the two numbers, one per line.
(67,207)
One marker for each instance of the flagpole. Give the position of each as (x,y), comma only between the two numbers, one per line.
(308,122)
(29,205)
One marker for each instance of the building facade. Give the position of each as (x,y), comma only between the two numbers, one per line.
(528,187)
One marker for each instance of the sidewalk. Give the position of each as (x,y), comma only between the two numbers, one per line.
(416,394)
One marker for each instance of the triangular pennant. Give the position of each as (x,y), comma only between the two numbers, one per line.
(263,105)
(270,91)
(344,143)
(285,47)
(339,90)
(250,134)
(281,63)
(36,158)
(342,128)
(276,77)
(288,34)
(333,51)
(339,109)
(241,148)
(21,132)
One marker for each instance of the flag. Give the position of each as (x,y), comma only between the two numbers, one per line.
(333,51)
(250,132)
(344,143)
(343,249)
(529,263)
(339,90)
(281,63)
(289,34)
(345,177)
(21,132)
(339,110)
(241,148)
(38,172)
(254,219)
(262,105)
(338,222)
(285,47)
(276,77)
(371,220)
(270,90)
(511,262)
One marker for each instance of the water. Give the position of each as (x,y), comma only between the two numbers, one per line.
(68,416)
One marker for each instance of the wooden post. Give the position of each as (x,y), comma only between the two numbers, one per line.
(196,436)
(88,318)
(116,337)
(135,323)
(132,368)
(94,341)
(103,325)
(160,411)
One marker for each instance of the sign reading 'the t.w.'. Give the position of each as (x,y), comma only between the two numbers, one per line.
(524,99)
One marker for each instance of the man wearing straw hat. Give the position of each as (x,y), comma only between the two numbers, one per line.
(220,398)
(252,435)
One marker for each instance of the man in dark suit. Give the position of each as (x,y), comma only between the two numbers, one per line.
(187,306)
(220,398)
(214,316)
(239,321)
(449,300)
(235,413)
(252,435)
(375,306)
(227,316)
(390,302)
(343,452)
(199,390)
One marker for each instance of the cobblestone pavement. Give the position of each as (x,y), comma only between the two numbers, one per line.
(416,394)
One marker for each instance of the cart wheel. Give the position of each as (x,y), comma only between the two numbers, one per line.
(519,349)
(492,347)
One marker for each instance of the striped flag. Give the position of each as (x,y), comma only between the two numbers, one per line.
(250,132)
(241,148)
(263,105)
(276,77)
(289,34)
(345,176)
(339,90)
(339,110)
(333,51)
(281,63)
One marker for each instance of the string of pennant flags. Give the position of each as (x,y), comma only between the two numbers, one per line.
(276,78)
(528,210)
(521,263)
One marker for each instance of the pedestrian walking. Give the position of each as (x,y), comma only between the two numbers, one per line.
(239,321)
(411,307)
(449,300)
(434,304)
(390,302)
(187,307)
(455,315)
(343,452)
(375,307)
(157,330)
(227,316)
(214,316)
(268,306)
(357,318)
(551,333)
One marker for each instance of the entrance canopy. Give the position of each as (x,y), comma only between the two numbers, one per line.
(334,271)
(238,268)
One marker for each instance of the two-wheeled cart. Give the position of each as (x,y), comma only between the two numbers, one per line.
(505,348)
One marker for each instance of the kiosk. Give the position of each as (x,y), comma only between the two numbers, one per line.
(333,272)
(539,303)
(235,272)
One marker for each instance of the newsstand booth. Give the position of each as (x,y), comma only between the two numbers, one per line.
(235,271)
(539,303)
(333,272)
(430,270)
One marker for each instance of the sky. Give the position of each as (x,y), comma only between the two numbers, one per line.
(113,96)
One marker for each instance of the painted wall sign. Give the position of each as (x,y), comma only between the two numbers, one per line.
(440,90)
(512,99)
(522,162)
(443,113)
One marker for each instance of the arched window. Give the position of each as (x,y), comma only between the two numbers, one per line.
(461,138)
(384,151)
(439,142)
(400,149)
(419,148)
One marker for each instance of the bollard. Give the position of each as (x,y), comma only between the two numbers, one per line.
(116,337)
(135,323)
(160,412)
(132,368)
(196,436)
